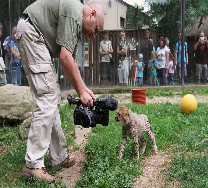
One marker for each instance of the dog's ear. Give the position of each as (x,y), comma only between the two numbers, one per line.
(129,111)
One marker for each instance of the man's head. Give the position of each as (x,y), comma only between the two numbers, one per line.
(122,35)
(201,37)
(147,34)
(93,19)
(105,35)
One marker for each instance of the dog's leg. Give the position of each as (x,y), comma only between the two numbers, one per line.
(152,138)
(136,147)
(122,147)
(143,144)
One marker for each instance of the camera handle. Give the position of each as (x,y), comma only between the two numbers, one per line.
(72,100)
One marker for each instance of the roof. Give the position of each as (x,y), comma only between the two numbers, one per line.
(123,2)
(200,25)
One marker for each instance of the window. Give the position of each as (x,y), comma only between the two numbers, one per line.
(122,22)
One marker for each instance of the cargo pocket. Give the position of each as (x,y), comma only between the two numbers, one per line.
(43,78)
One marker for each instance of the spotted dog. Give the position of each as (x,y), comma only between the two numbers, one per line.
(134,126)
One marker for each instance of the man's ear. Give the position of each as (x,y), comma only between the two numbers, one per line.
(93,13)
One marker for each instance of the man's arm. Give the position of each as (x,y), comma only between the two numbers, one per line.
(196,45)
(73,74)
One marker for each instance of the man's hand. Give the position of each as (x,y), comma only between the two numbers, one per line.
(87,97)
(73,74)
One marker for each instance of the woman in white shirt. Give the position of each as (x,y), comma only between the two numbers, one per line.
(163,59)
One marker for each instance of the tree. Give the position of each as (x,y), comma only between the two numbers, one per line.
(168,15)
(10,12)
(136,18)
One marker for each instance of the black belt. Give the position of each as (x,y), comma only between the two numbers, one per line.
(26,17)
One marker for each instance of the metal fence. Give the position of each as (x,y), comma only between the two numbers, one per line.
(89,59)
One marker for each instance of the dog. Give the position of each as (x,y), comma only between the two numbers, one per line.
(134,126)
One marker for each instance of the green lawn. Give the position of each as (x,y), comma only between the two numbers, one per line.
(185,136)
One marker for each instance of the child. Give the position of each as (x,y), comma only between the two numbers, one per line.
(134,72)
(140,68)
(152,66)
(171,69)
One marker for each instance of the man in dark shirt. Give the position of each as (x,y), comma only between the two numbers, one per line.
(146,47)
(201,58)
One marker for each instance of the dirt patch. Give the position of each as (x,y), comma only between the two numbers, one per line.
(71,175)
(152,176)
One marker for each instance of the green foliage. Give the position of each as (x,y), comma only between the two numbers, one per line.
(12,160)
(66,114)
(9,135)
(10,13)
(192,172)
(169,18)
(136,18)
(183,135)
(102,168)
(185,132)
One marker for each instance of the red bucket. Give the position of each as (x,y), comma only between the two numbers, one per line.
(139,95)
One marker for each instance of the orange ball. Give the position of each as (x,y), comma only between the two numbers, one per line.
(188,104)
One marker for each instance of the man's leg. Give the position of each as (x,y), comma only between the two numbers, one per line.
(198,73)
(43,84)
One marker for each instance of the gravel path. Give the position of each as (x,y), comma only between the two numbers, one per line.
(126,98)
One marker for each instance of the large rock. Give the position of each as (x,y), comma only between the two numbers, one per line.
(16,106)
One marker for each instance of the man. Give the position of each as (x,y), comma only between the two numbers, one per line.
(123,66)
(52,28)
(200,58)
(106,66)
(178,57)
(146,47)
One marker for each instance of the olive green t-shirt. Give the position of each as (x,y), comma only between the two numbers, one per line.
(60,22)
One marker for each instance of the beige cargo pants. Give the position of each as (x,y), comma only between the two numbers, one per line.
(45,131)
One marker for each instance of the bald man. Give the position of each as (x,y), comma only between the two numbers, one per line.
(52,28)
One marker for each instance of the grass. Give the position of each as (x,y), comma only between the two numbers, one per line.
(12,160)
(185,136)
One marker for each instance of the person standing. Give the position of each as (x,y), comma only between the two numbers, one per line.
(52,28)
(140,69)
(163,59)
(16,67)
(171,70)
(123,66)
(178,57)
(106,67)
(153,66)
(3,80)
(146,47)
(6,47)
(200,58)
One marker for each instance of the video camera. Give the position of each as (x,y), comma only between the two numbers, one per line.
(97,114)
